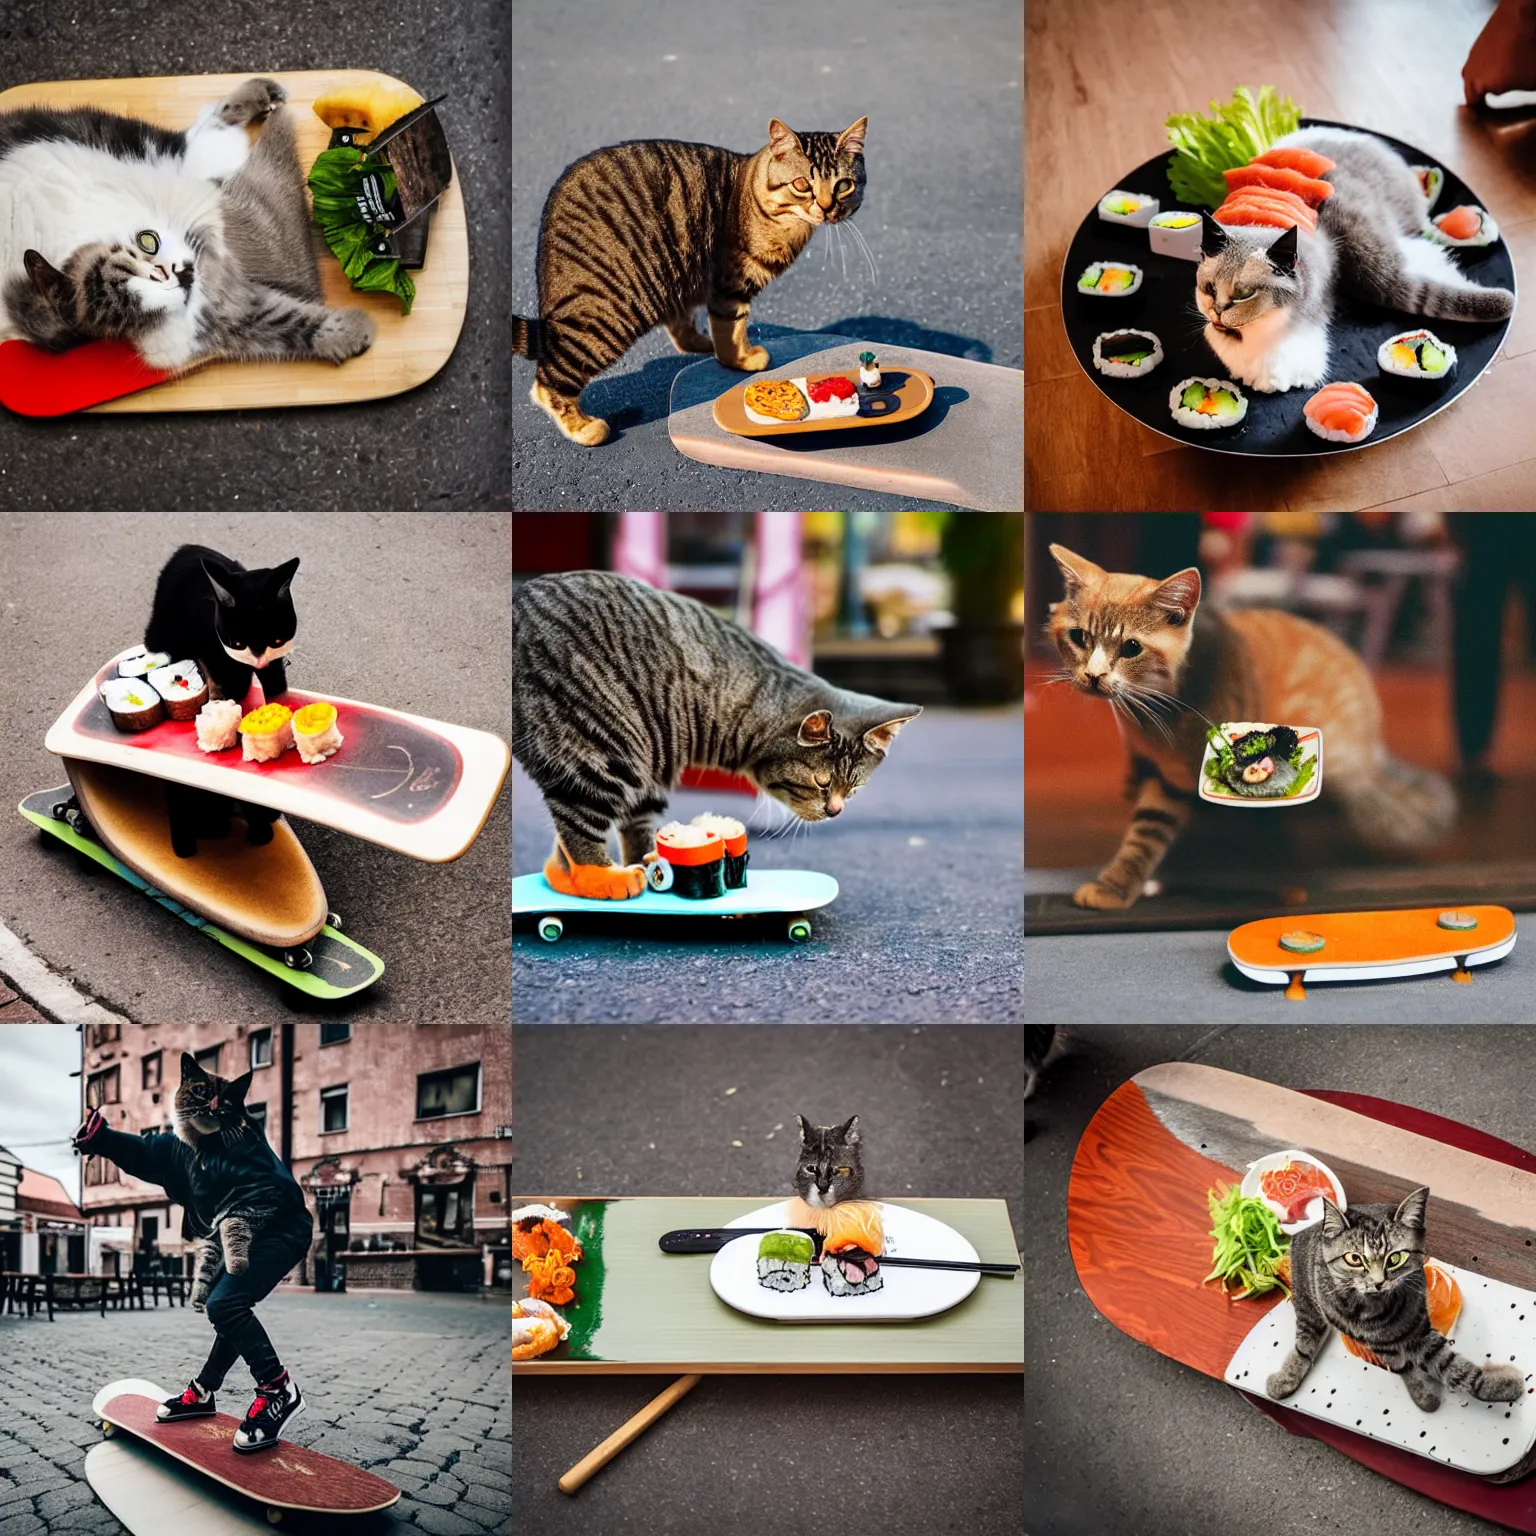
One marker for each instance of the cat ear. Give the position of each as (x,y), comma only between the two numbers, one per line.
(1412,1211)
(238,1089)
(1179,596)
(1335,1224)
(782,140)
(222,593)
(851,140)
(283,577)
(49,283)
(879,738)
(1076,571)
(1213,238)
(848,1131)
(190,1071)
(804,1125)
(1282,254)
(816,729)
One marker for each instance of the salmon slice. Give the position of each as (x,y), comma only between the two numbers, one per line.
(1292,157)
(1341,407)
(1311,191)
(1460,223)
(1279,210)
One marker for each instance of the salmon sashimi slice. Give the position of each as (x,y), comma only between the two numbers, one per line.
(1342,406)
(1460,223)
(1247,208)
(1275,197)
(854,1224)
(1311,191)
(1292,157)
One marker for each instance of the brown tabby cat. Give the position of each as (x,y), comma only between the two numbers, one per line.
(1166,666)
(640,234)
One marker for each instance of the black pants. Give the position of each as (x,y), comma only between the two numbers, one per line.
(239,1334)
(1499,550)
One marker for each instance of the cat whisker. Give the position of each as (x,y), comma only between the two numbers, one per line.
(869,256)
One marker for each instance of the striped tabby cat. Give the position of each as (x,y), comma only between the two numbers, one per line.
(640,234)
(1167,666)
(1362,1272)
(618,687)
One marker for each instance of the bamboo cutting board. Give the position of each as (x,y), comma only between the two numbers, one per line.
(407,350)
(639,1311)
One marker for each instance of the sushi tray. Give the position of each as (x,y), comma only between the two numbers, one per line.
(903,1295)
(109,377)
(1138,335)
(1261,766)
(1139,1228)
(421,787)
(844,400)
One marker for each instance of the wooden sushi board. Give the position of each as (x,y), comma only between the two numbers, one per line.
(421,787)
(639,1311)
(406,351)
(1139,1227)
(913,388)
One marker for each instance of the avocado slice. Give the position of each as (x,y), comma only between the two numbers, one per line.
(1090,278)
(1225,401)
(1192,397)
(1431,358)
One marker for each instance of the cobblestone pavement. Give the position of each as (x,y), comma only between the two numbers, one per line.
(415,1388)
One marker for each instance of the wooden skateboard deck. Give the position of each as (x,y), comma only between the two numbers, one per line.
(421,787)
(1138,1226)
(769,890)
(287,1477)
(407,349)
(327,965)
(912,387)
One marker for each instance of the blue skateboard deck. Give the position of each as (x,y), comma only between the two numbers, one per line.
(795,891)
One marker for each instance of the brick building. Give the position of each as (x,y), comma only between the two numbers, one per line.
(395,1132)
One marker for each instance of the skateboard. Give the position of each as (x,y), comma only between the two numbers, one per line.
(328,964)
(1370,946)
(795,891)
(1139,1230)
(286,1478)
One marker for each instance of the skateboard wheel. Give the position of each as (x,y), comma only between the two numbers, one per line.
(550,929)
(1458,922)
(274,1516)
(59,810)
(107,1430)
(799,930)
(1300,942)
(298,959)
(660,876)
(333,920)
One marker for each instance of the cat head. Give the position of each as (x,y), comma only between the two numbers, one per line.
(818,761)
(1243,282)
(1373,1248)
(209,1105)
(253,612)
(828,1169)
(102,290)
(815,177)
(1125,638)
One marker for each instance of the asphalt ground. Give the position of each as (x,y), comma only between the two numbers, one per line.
(926,927)
(1123,1439)
(404,610)
(646,1112)
(441,446)
(942,209)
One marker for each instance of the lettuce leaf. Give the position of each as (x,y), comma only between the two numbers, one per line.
(1235,132)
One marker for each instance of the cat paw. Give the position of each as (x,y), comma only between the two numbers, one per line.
(343,333)
(1280,1386)
(753,360)
(592,433)
(1102,898)
(1500,1384)
(1425,1395)
(253,102)
(597,882)
(199,1306)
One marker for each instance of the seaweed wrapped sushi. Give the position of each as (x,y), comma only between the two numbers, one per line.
(690,862)
(734,836)
(784,1261)
(850,1252)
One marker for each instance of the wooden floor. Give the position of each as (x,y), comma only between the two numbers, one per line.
(1101,79)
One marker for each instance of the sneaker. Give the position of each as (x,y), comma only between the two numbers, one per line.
(274,1405)
(194,1403)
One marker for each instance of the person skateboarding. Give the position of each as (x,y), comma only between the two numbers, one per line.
(217,1166)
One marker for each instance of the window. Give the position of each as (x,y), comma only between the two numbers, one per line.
(99,1171)
(106,1034)
(102,1088)
(152,1068)
(149,1231)
(454,1092)
(335,1034)
(333,1109)
(445,1217)
(261,1047)
(208,1059)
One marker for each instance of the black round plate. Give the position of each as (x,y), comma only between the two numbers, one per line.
(1165,305)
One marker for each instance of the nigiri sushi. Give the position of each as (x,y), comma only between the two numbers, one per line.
(1341,413)
(266,733)
(1292,157)
(1465,225)
(315,733)
(1266,205)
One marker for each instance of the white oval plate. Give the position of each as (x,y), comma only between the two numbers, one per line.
(907,1293)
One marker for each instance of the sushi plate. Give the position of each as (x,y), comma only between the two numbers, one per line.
(1274,426)
(906,1294)
(1311,742)
(911,389)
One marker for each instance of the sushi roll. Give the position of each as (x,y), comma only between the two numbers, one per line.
(315,733)
(1419,355)
(1341,413)
(851,1249)
(536,1328)
(1205,404)
(1176,233)
(266,733)
(690,862)
(182,687)
(734,836)
(1431,181)
(1465,226)
(218,725)
(784,1261)
(133,704)
(1133,208)
(140,662)
(1109,280)
(1126,354)
(852,1272)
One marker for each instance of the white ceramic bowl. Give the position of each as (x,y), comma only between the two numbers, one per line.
(1314,1213)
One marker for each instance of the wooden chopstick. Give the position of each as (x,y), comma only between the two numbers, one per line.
(630,1430)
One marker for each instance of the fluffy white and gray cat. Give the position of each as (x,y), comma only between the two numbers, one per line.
(190,244)
(1268,307)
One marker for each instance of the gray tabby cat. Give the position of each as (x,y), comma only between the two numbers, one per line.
(190,244)
(829,1168)
(1268,310)
(618,687)
(1362,1272)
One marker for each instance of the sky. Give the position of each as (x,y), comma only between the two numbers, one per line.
(39,1100)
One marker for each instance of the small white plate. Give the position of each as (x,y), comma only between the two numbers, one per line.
(1311,739)
(907,1293)
(1314,1212)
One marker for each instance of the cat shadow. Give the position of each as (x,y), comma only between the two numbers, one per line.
(633,399)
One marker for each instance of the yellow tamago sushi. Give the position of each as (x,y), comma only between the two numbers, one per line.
(266,733)
(315,733)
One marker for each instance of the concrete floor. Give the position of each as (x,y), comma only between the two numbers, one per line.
(1122,1439)
(941,212)
(442,446)
(645,1112)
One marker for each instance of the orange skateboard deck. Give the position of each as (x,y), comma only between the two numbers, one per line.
(421,787)
(1139,1226)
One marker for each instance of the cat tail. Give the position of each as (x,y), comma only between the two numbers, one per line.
(1431,284)
(527,338)
(1400,806)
